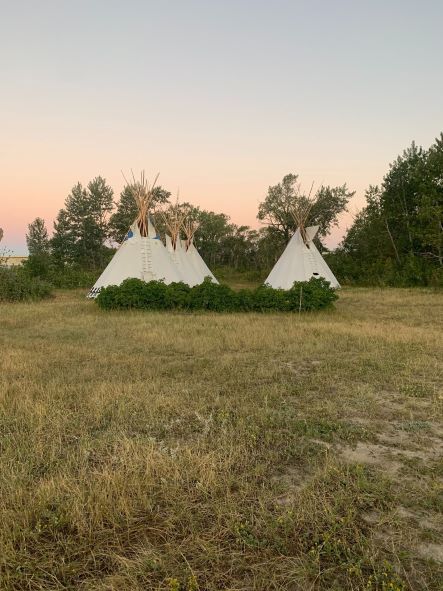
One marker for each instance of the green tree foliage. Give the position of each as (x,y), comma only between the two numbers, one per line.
(222,243)
(275,210)
(81,228)
(63,240)
(397,239)
(39,260)
(37,238)
(126,212)
(269,246)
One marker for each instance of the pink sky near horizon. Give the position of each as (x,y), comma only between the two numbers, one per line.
(222,98)
(41,193)
(39,190)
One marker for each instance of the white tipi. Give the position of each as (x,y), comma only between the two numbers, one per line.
(174,219)
(142,254)
(200,267)
(301,259)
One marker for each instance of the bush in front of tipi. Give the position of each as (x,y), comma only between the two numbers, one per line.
(267,299)
(314,294)
(177,296)
(213,296)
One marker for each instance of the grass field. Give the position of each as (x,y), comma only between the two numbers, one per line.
(165,451)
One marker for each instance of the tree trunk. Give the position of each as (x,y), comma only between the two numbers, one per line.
(392,242)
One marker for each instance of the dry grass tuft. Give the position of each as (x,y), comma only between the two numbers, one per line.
(205,451)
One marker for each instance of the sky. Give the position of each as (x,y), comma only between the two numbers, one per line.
(221,97)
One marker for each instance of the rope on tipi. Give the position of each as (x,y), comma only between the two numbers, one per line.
(143,194)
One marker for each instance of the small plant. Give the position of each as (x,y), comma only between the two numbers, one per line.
(173,584)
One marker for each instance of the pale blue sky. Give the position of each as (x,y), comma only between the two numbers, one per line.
(223,98)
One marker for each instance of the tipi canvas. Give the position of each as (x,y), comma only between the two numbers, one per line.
(174,219)
(198,264)
(140,257)
(142,254)
(201,268)
(300,261)
(183,263)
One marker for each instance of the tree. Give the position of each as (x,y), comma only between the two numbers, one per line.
(275,210)
(366,251)
(269,246)
(81,228)
(39,260)
(398,237)
(63,240)
(121,220)
(219,241)
(37,238)
(429,227)
(214,229)
(329,203)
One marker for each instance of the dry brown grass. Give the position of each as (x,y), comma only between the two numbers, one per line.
(176,451)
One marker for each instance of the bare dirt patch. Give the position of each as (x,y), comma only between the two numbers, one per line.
(431,551)
(370,453)
(424,520)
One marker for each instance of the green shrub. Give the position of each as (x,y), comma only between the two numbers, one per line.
(68,277)
(134,293)
(213,296)
(245,300)
(314,294)
(268,299)
(177,296)
(38,266)
(108,298)
(72,277)
(17,286)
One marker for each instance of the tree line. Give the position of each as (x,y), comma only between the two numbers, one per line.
(90,224)
(395,240)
